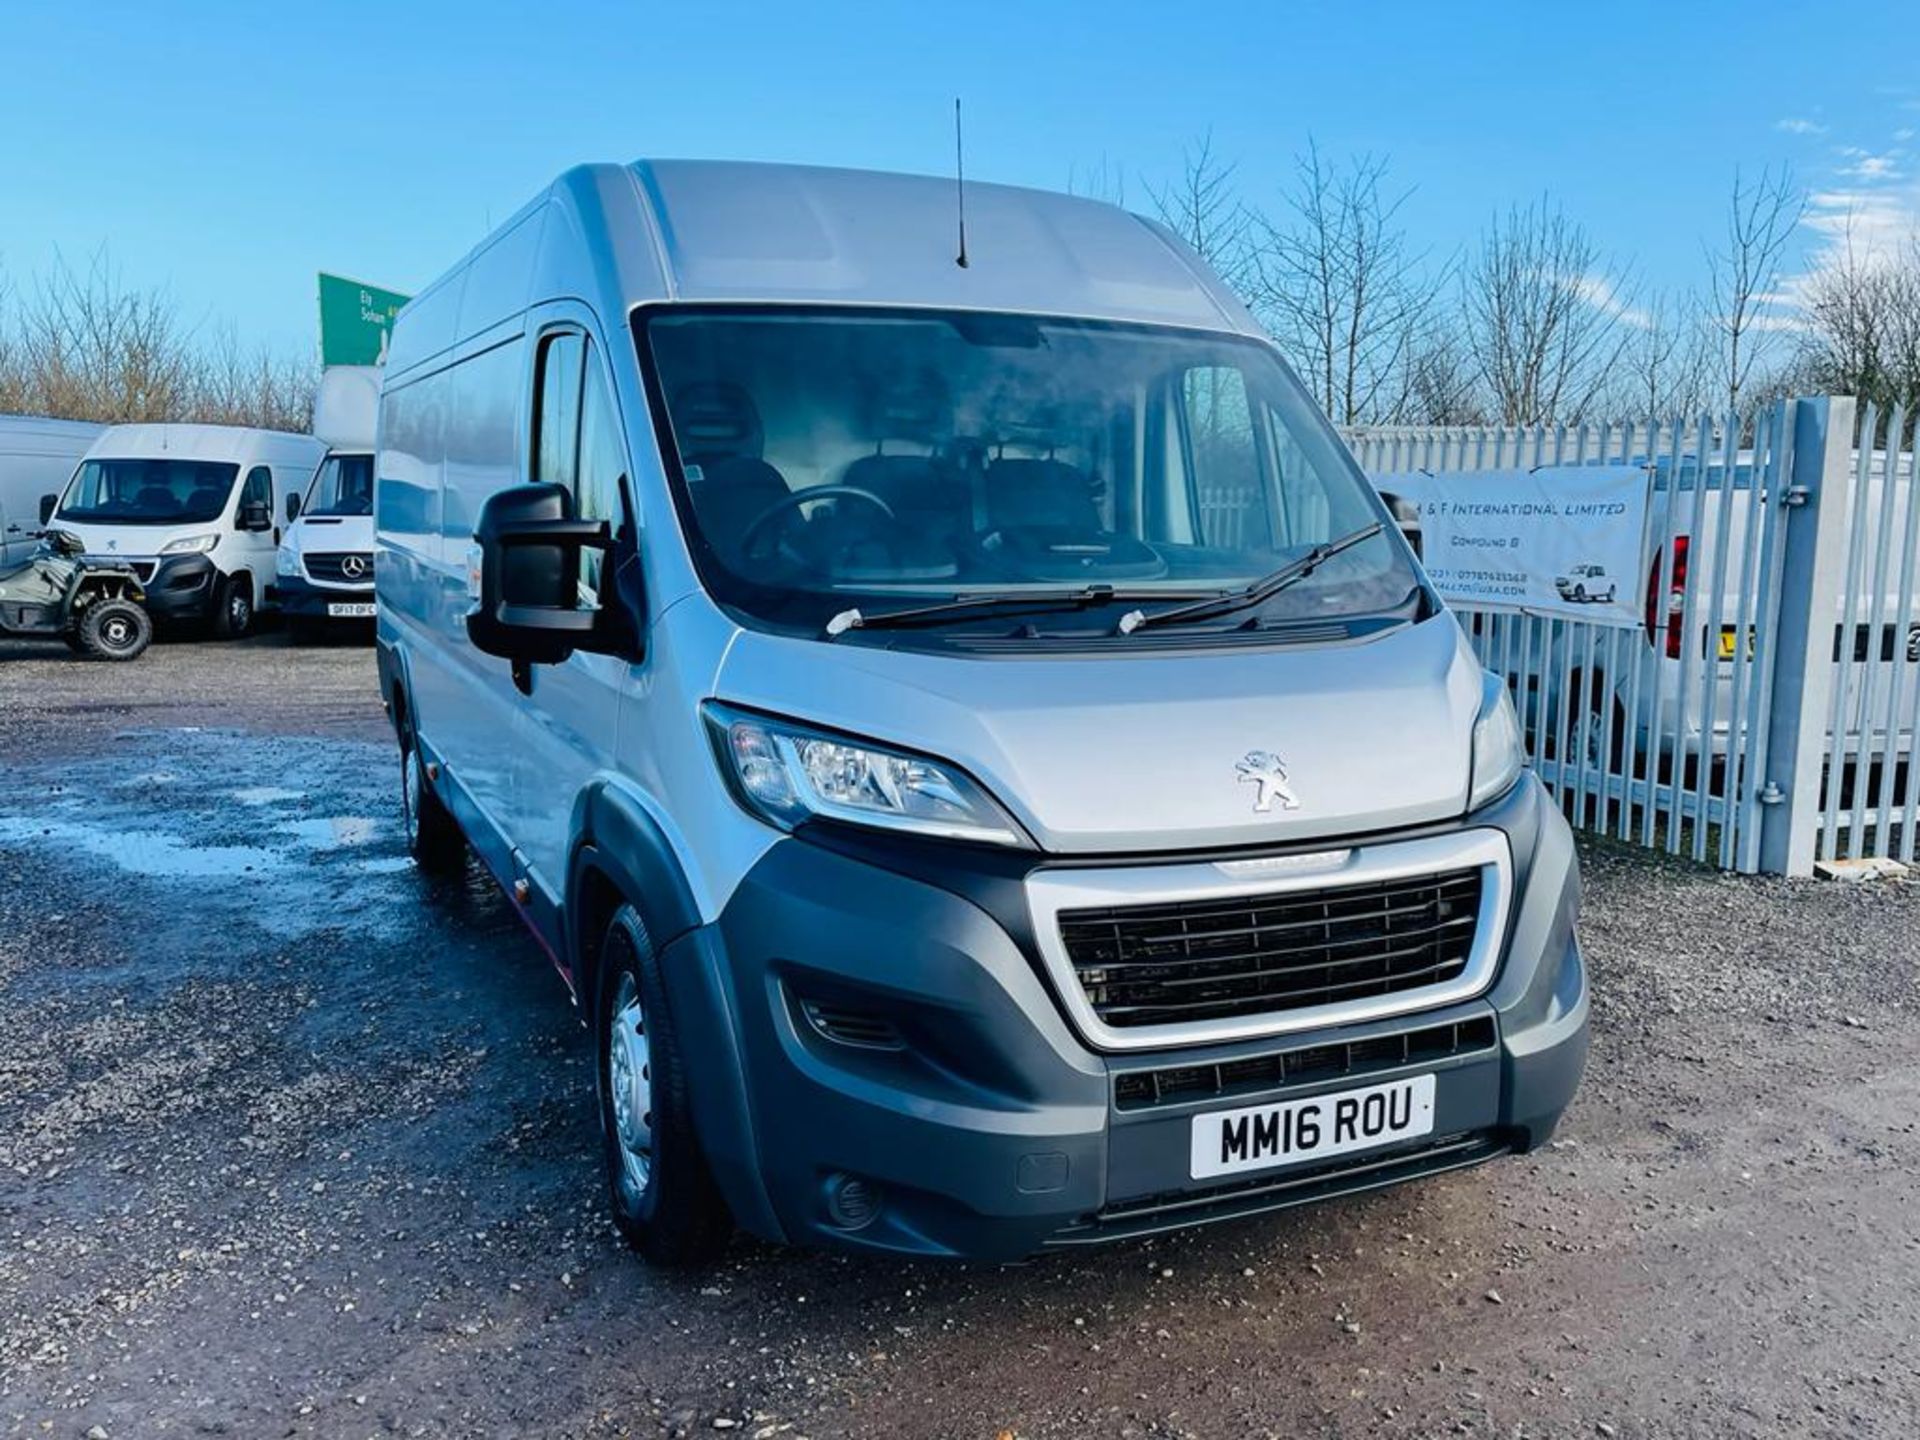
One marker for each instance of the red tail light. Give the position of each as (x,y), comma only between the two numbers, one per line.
(1668,618)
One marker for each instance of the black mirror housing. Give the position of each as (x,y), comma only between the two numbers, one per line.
(47,503)
(255,516)
(293,507)
(529,605)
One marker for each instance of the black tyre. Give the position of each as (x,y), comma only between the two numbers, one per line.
(433,835)
(115,629)
(664,1198)
(233,607)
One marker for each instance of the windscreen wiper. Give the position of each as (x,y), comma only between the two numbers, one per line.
(998,602)
(1264,588)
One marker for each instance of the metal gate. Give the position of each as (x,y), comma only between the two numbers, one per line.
(1660,734)
(1868,798)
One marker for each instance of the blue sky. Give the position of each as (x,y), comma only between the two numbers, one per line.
(227,151)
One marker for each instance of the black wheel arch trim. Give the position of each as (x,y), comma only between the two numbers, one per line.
(618,842)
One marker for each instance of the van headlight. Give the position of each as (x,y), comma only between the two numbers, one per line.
(285,562)
(787,773)
(1498,751)
(191,544)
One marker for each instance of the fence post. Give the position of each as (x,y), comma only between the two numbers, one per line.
(1811,580)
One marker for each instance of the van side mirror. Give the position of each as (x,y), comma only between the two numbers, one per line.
(293,507)
(527,570)
(47,502)
(255,515)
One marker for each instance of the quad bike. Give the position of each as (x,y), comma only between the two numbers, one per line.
(96,606)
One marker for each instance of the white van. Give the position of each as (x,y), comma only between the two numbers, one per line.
(195,509)
(989,768)
(36,458)
(324,570)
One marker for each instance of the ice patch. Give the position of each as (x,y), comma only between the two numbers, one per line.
(143,852)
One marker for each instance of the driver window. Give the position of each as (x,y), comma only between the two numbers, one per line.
(577,441)
(258,490)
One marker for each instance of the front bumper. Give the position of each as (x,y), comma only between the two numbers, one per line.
(298,596)
(886,1019)
(183,587)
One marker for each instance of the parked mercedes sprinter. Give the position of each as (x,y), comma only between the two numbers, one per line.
(195,509)
(323,574)
(986,763)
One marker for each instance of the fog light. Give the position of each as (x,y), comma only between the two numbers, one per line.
(852,1203)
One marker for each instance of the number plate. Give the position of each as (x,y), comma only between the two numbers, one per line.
(1730,642)
(345,610)
(1262,1137)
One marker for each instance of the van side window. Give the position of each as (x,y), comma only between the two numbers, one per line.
(603,461)
(577,441)
(258,489)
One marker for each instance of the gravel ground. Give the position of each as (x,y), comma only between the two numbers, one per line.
(293,1142)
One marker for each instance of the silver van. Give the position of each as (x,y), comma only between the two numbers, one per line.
(985,762)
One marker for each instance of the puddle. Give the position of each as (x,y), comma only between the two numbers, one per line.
(333,832)
(143,852)
(267,795)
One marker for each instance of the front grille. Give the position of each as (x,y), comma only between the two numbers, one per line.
(1279,1190)
(330,567)
(1214,959)
(1306,1065)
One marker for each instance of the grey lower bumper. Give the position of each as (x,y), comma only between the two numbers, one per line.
(852,1021)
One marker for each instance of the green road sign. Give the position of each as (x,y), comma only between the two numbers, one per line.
(354,321)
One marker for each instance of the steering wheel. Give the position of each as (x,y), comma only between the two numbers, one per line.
(791,503)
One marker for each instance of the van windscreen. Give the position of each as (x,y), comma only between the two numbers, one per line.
(148,491)
(832,458)
(343,485)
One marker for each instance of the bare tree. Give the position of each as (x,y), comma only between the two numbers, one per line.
(1443,382)
(1102,181)
(85,346)
(1745,271)
(236,386)
(1863,326)
(1665,363)
(1203,207)
(1541,316)
(1342,290)
(90,348)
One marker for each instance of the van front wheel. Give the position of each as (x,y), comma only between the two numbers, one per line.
(433,835)
(233,608)
(664,1200)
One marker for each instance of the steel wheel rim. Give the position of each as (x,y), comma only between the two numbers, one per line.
(630,1086)
(410,795)
(118,632)
(238,607)
(1587,740)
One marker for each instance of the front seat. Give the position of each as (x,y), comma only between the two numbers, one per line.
(717,428)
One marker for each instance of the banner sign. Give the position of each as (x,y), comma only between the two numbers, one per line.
(355,320)
(1565,540)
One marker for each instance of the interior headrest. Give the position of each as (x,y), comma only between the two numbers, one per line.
(913,406)
(715,419)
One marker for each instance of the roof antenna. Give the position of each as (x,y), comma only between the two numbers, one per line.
(960,183)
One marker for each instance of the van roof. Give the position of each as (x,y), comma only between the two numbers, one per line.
(204,442)
(735,231)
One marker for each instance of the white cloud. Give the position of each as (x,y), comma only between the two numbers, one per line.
(1800,125)
(1870,167)
(1604,295)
